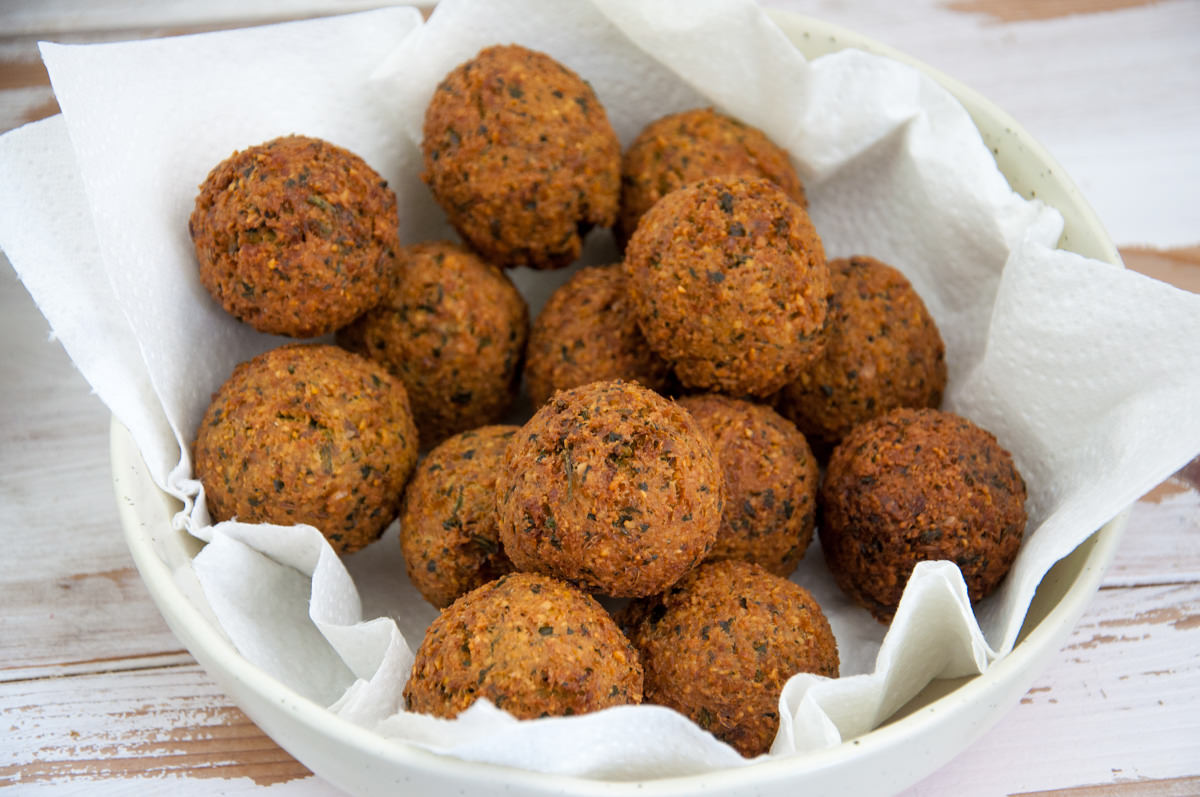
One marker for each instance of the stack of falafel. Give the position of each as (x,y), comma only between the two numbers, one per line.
(686,397)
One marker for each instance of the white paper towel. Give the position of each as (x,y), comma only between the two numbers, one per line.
(1046,349)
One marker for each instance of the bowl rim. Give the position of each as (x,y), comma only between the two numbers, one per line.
(1016,670)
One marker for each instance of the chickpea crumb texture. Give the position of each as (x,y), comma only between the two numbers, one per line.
(294,236)
(882,350)
(915,485)
(719,646)
(532,645)
(453,329)
(729,283)
(448,528)
(308,433)
(770,482)
(586,332)
(520,154)
(684,147)
(612,487)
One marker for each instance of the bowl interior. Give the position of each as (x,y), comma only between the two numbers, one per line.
(922,735)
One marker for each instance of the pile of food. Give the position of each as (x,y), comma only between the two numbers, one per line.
(688,399)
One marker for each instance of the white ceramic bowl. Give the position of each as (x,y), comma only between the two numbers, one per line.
(938,724)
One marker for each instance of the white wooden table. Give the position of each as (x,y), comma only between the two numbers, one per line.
(97,695)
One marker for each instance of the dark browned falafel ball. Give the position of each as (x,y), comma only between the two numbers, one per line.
(585,333)
(882,351)
(719,646)
(448,528)
(770,482)
(521,156)
(684,147)
(453,328)
(308,433)
(612,487)
(294,236)
(916,485)
(532,645)
(728,279)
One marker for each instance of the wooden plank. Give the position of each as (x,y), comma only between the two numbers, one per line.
(1026,10)
(133,725)
(1132,662)
(75,602)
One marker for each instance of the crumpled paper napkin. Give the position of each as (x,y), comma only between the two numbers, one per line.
(1086,372)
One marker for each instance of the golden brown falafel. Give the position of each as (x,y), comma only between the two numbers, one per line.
(532,645)
(770,482)
(728,279)
(585,333)
(915,485)
(612,487)
(453,329)
(448,528)
(520,154)
(308,433)
(684,147)
(294,236)
(882,350)
(719,646)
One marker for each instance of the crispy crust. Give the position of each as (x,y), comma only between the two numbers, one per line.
(308,433)
(770,482)
(728,279)
(294,236)
(684,147)
(720,645)
(612,487)
(448,528)
(916,485)
(882,351)
(453,328)
(585,333)
(532,645)
(521,156)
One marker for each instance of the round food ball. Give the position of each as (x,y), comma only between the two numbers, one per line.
(719,646)
(532,645)
(453,328)
(916,485)
(294,236)
(308,433)
(521,156)
(448,529)
(585,333)
(612,487)
(882,351)
(688,146)
(728,280)
(770,482)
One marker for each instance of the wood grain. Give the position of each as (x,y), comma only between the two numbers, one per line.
(1010,11)
(135,725)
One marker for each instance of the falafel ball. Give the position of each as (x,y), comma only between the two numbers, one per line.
(448,529)
(728,279)
(294,236)
(915,485)
(719,646)
(453,329)
(770,482)
(612,487)
(520,154)
(882,351)
(684,147)
(532,645)
(585,333)
(308,433)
